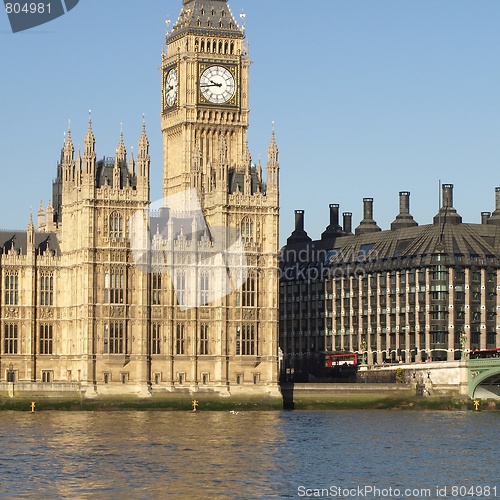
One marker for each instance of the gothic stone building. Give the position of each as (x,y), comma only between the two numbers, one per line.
(119,299)
(412,293)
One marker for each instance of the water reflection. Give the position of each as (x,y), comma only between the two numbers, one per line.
(249,455)
(140,453)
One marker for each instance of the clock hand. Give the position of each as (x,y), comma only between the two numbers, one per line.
(211,84)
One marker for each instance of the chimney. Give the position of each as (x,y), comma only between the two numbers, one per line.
(333,229)
(368,208)
(404,202)
(447,195)
(334,214)
(367,225)
(299,220)
(298,235)
(347,222)
(495,216)
(403,219)
(484,217)
(447,214)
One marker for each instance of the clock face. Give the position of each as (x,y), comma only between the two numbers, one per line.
(171,87)
(217,84)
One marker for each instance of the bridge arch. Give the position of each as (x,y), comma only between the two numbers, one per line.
(485,376)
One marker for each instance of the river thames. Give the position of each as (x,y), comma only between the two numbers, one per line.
(328,454)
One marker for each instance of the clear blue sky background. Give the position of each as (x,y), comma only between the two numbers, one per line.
(369,97)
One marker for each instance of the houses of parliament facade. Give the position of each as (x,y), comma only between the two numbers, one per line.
(117,298)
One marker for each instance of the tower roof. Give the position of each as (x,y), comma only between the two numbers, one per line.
(17,241)
(204,17)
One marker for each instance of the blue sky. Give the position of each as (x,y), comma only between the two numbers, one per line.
(369,98)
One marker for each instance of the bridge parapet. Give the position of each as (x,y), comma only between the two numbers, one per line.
(481,362)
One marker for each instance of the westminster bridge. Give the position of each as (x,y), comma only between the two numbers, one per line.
(476,378)
(483,378)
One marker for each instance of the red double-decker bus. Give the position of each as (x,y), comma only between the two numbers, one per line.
(338,359)
(484,353)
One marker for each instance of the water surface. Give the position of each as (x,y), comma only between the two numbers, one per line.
(161,454)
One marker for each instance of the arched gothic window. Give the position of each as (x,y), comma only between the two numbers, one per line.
(247,230)
(204,288)
(46,289)
(11,288)
(115,225)
(248,292)
(114,284)
(181,288)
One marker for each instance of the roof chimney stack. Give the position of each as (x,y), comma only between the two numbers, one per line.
(447,214)
(333,230)
(447,195)
(299,220)
(484,217)
(298,235)
(347,222)
(404,202)
(404,219)
(495,216)
(367,225)
(334,214)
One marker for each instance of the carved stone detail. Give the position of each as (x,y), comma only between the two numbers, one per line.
(11,312)
(46,313)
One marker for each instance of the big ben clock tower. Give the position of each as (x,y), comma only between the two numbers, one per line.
(227,340)
(204,94)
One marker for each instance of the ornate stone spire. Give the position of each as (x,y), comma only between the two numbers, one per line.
(121,151)
(131,163)
(143,158)
(89,138)
(68,149)
(272,164)
(41,217)
(30,231)
(143,140)
(89,155)
(272,151)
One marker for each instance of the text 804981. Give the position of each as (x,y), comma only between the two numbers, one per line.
(28,8)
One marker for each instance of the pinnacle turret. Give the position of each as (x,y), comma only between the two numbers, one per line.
(89,138)
(30,232)
(272,164)
(143,158)
(143,141)
(41,217)
(89,155)
(272,151)
(68,148)
(121,151)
